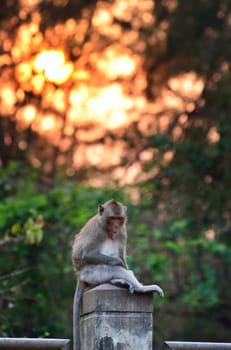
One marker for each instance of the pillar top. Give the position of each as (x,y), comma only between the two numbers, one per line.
(109,298)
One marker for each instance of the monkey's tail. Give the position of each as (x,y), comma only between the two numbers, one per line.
(76,314)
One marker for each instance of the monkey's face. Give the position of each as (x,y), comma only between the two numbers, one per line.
(113,226)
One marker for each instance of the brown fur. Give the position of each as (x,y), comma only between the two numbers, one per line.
(94,232)
(99,256)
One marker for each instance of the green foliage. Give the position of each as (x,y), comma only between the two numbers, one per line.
(177,238)
(37,226)
(179,233)
(190,204)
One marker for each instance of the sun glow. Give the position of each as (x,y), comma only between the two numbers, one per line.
(188,85)
(116,64)
(48,123)
(7,98)
(54,66)
(108,106)
(28,114)
(81,83)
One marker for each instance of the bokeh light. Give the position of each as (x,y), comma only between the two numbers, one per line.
(80,79)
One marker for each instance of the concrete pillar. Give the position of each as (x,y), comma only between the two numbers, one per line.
(113,319)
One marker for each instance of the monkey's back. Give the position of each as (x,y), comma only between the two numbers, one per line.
(87,239)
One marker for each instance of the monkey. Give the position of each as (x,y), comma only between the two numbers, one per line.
(99,256)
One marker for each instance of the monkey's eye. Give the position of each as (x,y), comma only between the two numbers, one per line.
(101,209)
(115,218)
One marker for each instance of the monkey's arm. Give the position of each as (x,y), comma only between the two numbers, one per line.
(122,255)
(97,258)
(125,265)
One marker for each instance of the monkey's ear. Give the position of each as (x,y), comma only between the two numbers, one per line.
(101,209)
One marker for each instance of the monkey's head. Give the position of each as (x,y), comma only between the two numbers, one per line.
(113,216)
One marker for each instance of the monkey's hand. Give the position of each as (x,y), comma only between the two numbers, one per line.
(124,264)
(117,262)
(97,258)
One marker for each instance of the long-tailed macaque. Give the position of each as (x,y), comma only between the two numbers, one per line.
(99,256)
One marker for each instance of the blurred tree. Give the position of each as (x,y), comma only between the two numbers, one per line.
(37,225)
(138,90)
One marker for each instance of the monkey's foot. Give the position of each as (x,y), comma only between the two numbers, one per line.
(159,290)
(139,288)
(152,288)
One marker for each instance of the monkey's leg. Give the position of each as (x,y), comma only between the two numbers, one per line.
(76,314)
(98,274)
(124,276)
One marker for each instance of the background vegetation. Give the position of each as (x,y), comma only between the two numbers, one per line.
(180,199)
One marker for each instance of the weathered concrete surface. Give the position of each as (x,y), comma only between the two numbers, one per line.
(114,319)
